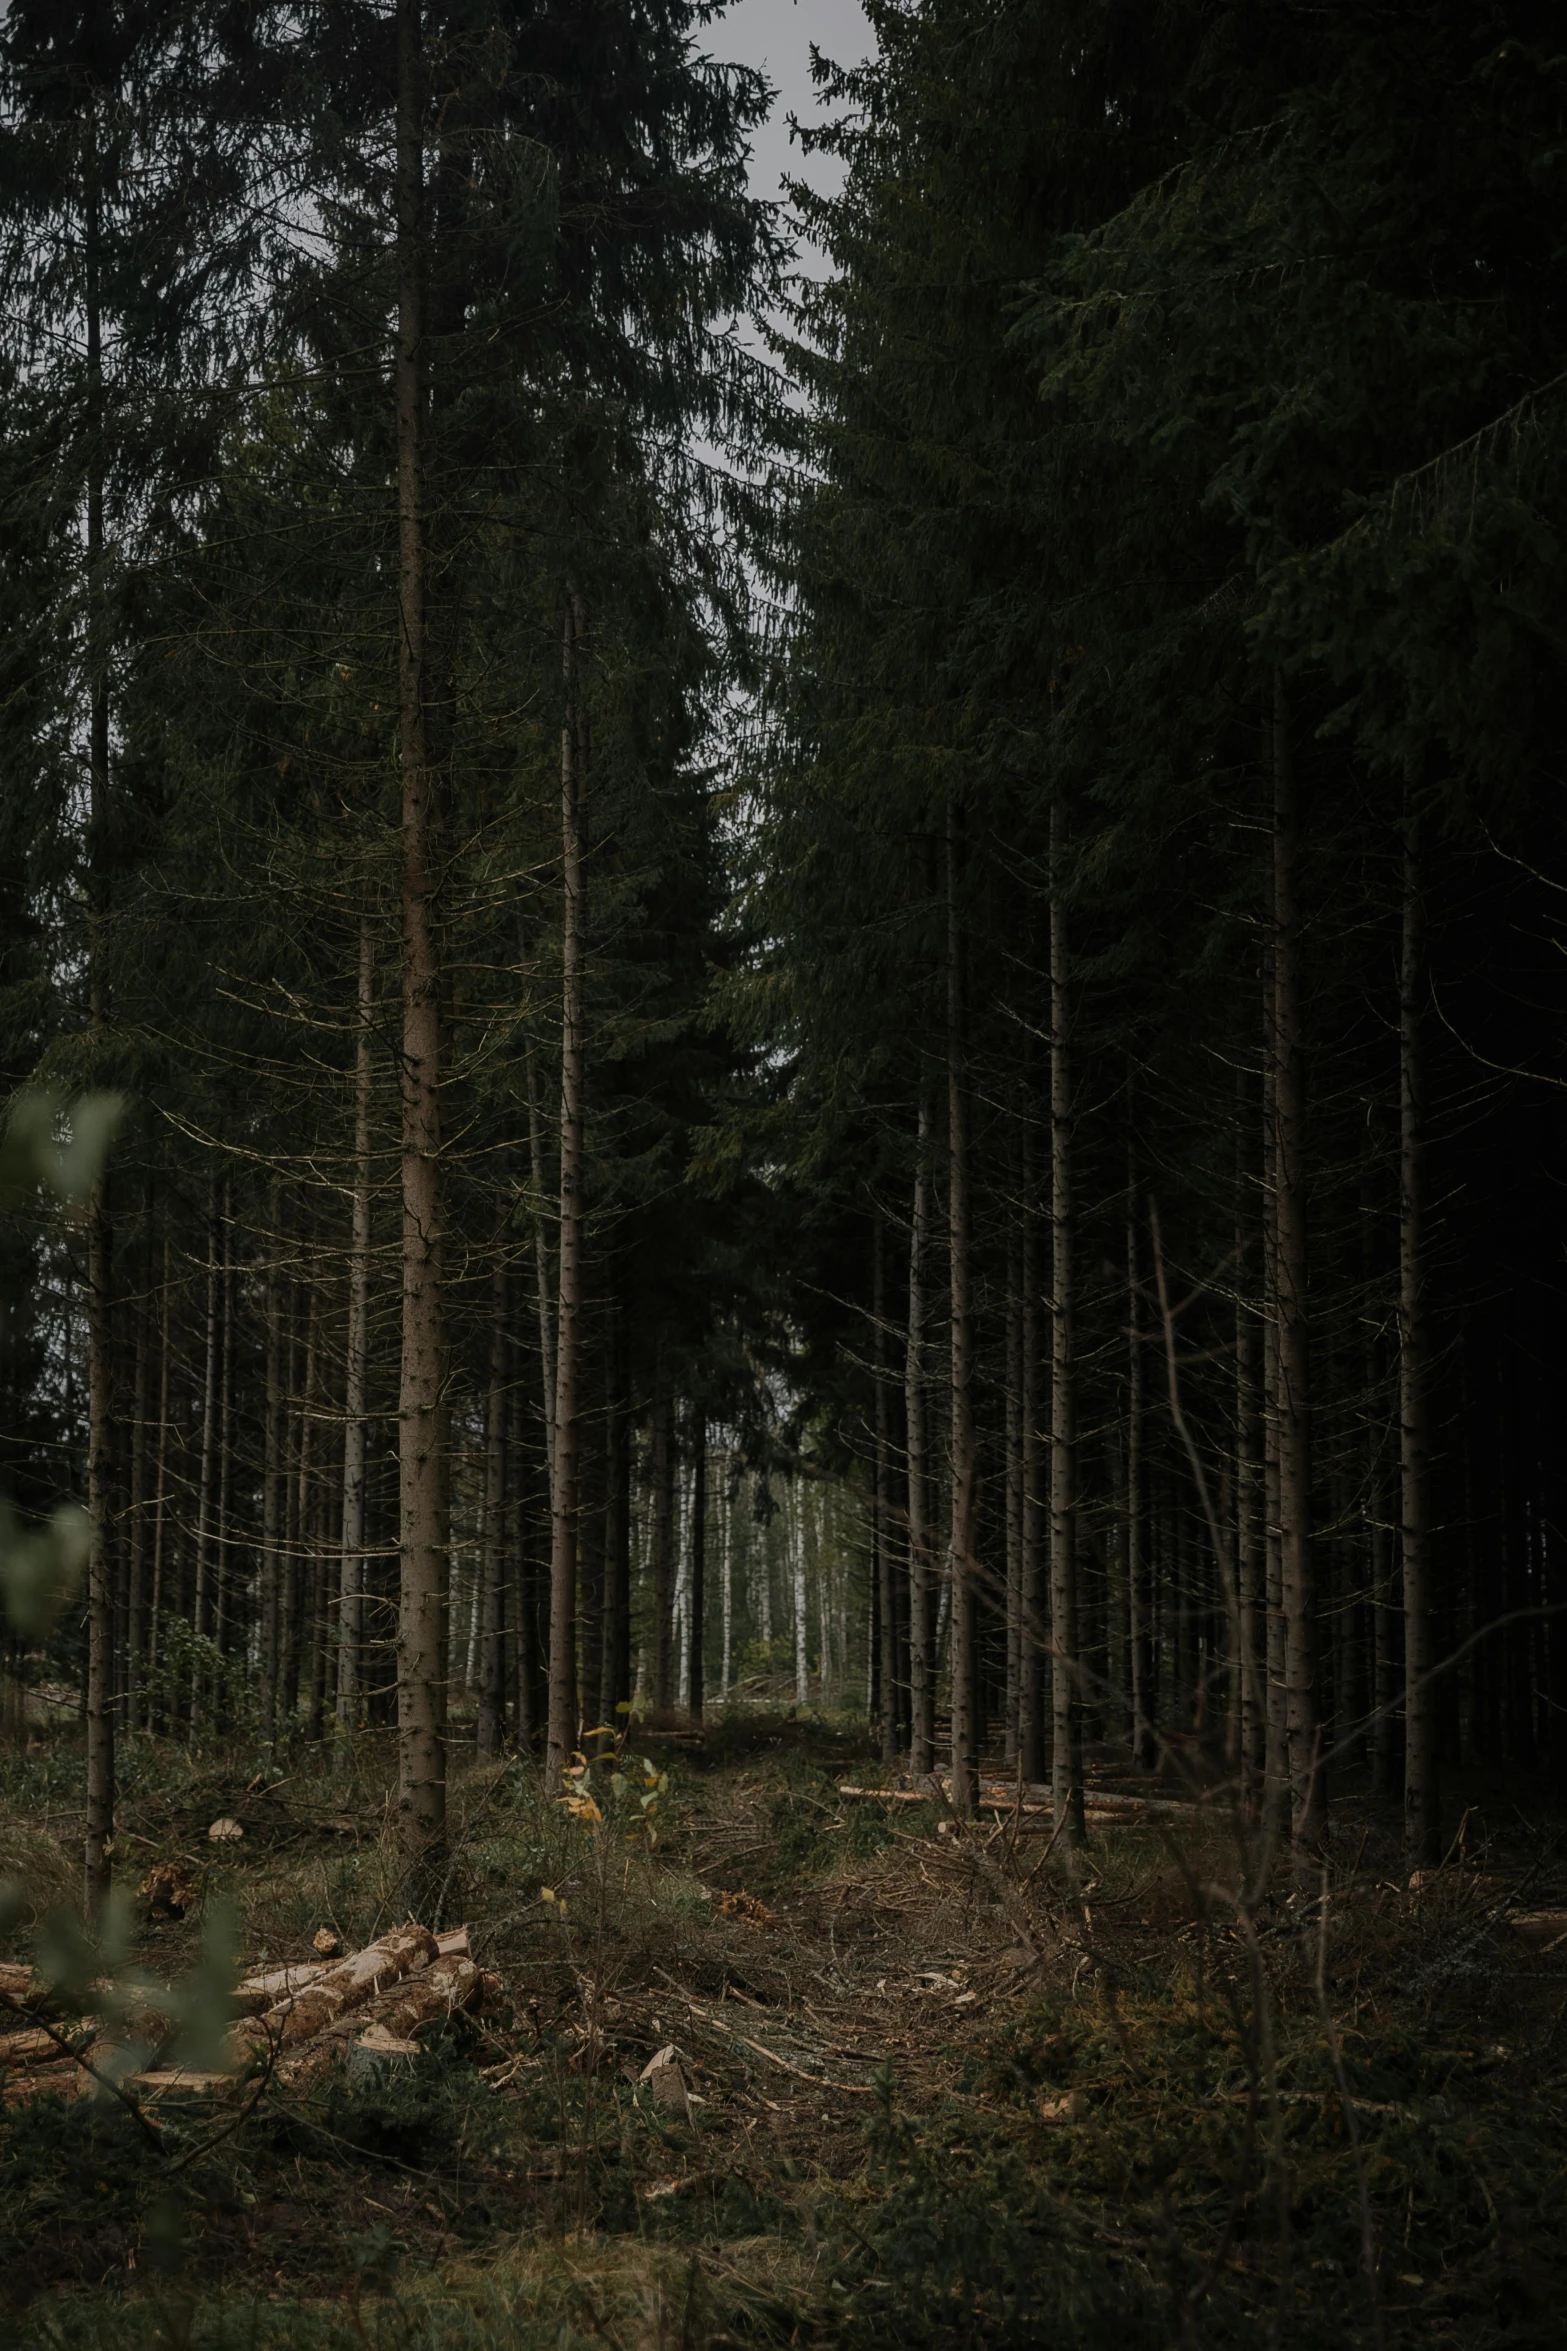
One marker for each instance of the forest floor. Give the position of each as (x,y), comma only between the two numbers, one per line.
(937,2088)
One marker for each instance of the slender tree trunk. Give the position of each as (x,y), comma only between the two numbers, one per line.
(887,1660)
(1034,1598)
(136,1595)
(965,1756)
(562,1736)
(97,1868)
(1066,1760)
(1015,1632)
(1422,1792)
(351,1566)
(796,1533)
(422,1498)
(1139,1606)
(696,1662)
(1308,1790)
(160,1506)
(492,1616)
(1250,1558)
(662,1472)
(543,1271)
(272,1487)
(299,1561)
(201,1612)
(223,1568)
(616,1688)
(726,1574)
(922,1631)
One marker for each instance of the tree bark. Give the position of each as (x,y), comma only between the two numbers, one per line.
(1139,1608)
(272,1489)
(491,1732)
(922,1631)
(563,1710)
(1015,1630)
(696,1660)
(1066,1759)
(544,1276)
(1250,1559)
(1307,1783)
(422,1498)
(200,1613)
(661,1470)
(1034,1599)
(887,1661)
(960,1555)
(136,1580)
(351,1565)
(1422,1792)
(97,1867)
(616,1686)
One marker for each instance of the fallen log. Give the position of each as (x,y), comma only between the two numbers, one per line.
(339,1989)
(410,2008)
(28,2049)
(22,1986)
(257,1993)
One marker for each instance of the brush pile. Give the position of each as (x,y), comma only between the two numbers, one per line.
(367,2011)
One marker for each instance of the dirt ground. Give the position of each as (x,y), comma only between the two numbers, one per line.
(920,2083)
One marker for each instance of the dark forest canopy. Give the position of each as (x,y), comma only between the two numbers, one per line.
(911,1037)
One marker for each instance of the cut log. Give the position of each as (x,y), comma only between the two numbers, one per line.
(338,1990)
(22,1985)
(28,2049)
(437,1991)
(258,1993)
(411,2007)
(454,1944)
(378,2056)
(178,2080)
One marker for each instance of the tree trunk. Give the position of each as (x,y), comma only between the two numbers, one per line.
(272,1487)
(887,1661)
(922,1631)
(422,1500)
(698,1560)
(726,1574)
(1250,1559)
(491,1731)
(563,1711)
(222,1567)
(1139,1605)
(1066,1758)
(160,1501)
(1034,1598)
(544,1276)
(796,1531)
(960,1555)
(1015,1633)
(662,1469)
(351,1565)
(136,1592)
(1307,1783)
(616,1688)
(201,1612)
(299,1560)
(97,1868)
(1422,1793)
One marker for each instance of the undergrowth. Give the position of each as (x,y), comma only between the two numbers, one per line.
(944,2093)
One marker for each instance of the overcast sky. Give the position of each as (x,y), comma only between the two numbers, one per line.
(777,35)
